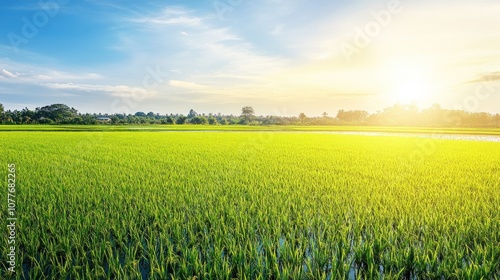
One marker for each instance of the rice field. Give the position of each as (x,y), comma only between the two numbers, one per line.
(251,205)
(259,128)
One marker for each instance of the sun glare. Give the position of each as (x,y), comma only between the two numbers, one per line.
(408,83)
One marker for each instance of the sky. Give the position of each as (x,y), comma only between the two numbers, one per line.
(280,57)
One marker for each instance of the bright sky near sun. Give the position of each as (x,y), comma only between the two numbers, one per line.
(282,57)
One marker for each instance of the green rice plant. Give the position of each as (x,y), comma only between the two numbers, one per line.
(251,205)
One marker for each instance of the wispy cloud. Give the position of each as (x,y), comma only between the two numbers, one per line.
(171,16)
(208,54)
(114,90)
(32,73)
(188,85)
(488,77)
(7,74)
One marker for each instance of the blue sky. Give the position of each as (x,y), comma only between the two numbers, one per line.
(281,57)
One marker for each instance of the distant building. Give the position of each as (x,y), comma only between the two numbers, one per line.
(103,119)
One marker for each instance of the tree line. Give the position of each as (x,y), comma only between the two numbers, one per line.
(396,115)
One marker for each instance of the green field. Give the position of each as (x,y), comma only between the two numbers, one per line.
(251,205)
(156,128)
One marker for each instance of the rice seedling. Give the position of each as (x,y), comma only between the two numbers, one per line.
(251,205)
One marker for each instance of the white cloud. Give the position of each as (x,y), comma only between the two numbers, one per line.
(60,75)
(207,52)
(30,73)
(187,85)
(7,74)
(114,90)
(171,16)
(43,77)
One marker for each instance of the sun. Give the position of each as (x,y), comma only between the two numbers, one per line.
(410,90)
(408,83)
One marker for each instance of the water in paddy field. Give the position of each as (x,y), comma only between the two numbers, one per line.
(443,136)
(465,137)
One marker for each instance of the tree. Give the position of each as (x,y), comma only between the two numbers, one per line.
(325,115)
(303,118)
(181,120)
(28,113)
(356,116)
(192,114)
(170,120)
(140,114)
(212,120)
(199,120)
(1,108)
(247,113)
(45,121)
(56,112)
(76,120)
